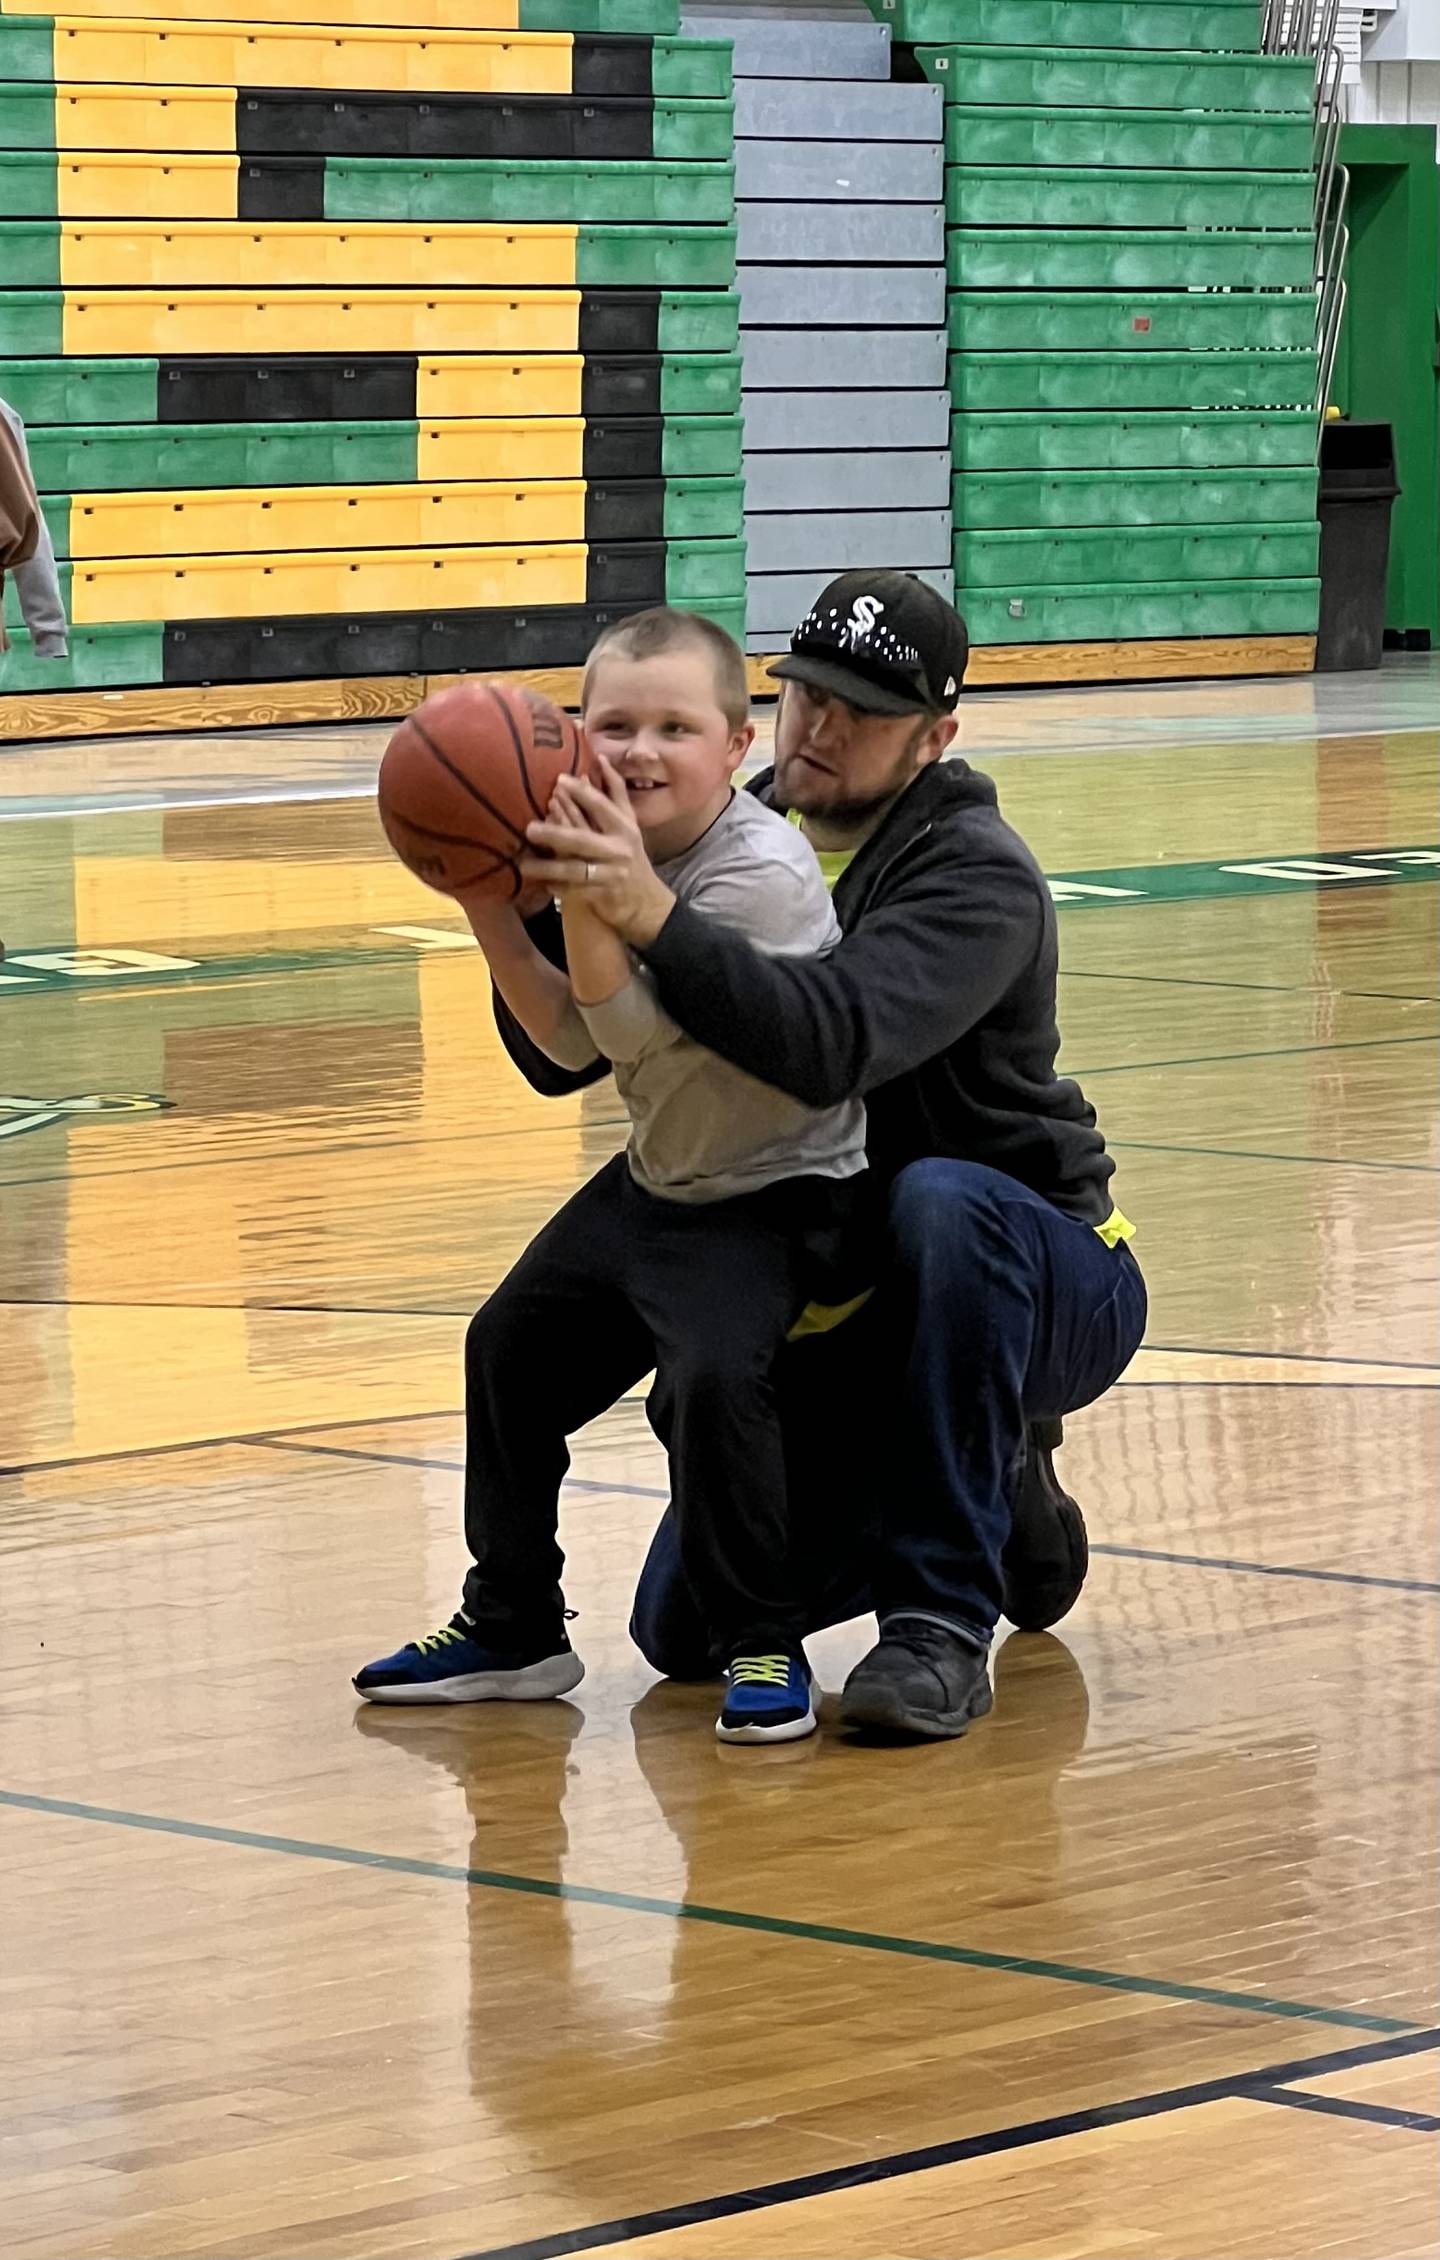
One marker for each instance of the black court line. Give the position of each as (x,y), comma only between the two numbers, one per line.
(218,1443)
(467,1309)
(1249,1153)
(1237,2087)
(1288,1357)
(279,1443)
(1337,1388)
(351,1146)
(1345,2107)
(1277,1051)
(1263,988)
(282,1310)
(1267,1569)
(342,1147)
(284,1440)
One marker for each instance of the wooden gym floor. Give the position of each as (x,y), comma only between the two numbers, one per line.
(1146,1966)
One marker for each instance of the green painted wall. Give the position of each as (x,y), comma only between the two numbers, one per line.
(1388,361)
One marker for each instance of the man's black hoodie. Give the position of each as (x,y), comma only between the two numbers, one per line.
(937,1006)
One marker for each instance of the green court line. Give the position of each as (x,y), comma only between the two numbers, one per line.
(1126,887)
(1311,872)
(727,1918)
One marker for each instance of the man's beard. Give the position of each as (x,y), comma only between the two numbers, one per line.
(792,793)
(843,813)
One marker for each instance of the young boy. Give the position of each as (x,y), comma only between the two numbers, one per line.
(692,1252)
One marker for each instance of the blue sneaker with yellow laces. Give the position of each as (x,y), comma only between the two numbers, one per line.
(453,1666)
(769,1698)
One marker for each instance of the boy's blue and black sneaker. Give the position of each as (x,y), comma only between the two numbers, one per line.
(452,1666)
(769,1698)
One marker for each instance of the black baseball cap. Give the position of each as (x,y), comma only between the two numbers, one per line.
(886,643)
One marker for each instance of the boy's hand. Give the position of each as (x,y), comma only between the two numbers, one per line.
(592,847)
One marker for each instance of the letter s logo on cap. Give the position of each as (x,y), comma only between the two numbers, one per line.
(864,613)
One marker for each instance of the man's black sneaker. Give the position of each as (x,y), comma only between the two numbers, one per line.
(918,1680)
(1047,1553)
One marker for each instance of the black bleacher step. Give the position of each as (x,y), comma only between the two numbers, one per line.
(271,123)
(386,643)
(619,321)
(617,64)
(291,388)
(280,188)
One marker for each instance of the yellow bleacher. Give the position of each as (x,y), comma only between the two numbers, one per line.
(381,580)
(257,255)
(320,321)
(212,520)
(400,15)
(134,51)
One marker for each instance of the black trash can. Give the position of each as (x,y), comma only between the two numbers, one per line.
(1357,489)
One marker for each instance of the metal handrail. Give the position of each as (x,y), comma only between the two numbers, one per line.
(1327,130)
(1327,138)
(1308,27)
(1329,69)
(1329,345)
(1333,235)
(1330,18)
(1298,27)
(1333,244)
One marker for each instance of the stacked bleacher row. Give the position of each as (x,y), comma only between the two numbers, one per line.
(352,349)
(839,206)
(1131,314)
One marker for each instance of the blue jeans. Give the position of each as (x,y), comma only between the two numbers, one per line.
(905,1428)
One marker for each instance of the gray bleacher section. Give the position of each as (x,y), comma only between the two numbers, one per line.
(839,180)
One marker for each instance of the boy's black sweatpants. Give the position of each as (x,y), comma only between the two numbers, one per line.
(616,1283)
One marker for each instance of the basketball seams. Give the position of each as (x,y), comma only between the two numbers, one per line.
(466,784)
(515,740)
(489,863)
(446,839)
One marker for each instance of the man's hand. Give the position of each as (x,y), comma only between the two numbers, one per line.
(591,845)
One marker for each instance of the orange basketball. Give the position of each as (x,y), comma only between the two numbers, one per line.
(463,777)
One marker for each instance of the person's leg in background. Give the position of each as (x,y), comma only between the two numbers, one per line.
(1007,1312)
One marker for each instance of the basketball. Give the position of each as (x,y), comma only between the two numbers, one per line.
(465,774)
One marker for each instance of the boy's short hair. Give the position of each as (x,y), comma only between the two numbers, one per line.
(645,635)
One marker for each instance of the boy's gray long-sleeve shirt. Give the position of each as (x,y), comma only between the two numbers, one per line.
(702,1130)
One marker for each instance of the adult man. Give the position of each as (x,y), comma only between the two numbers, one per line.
(1010,1297)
